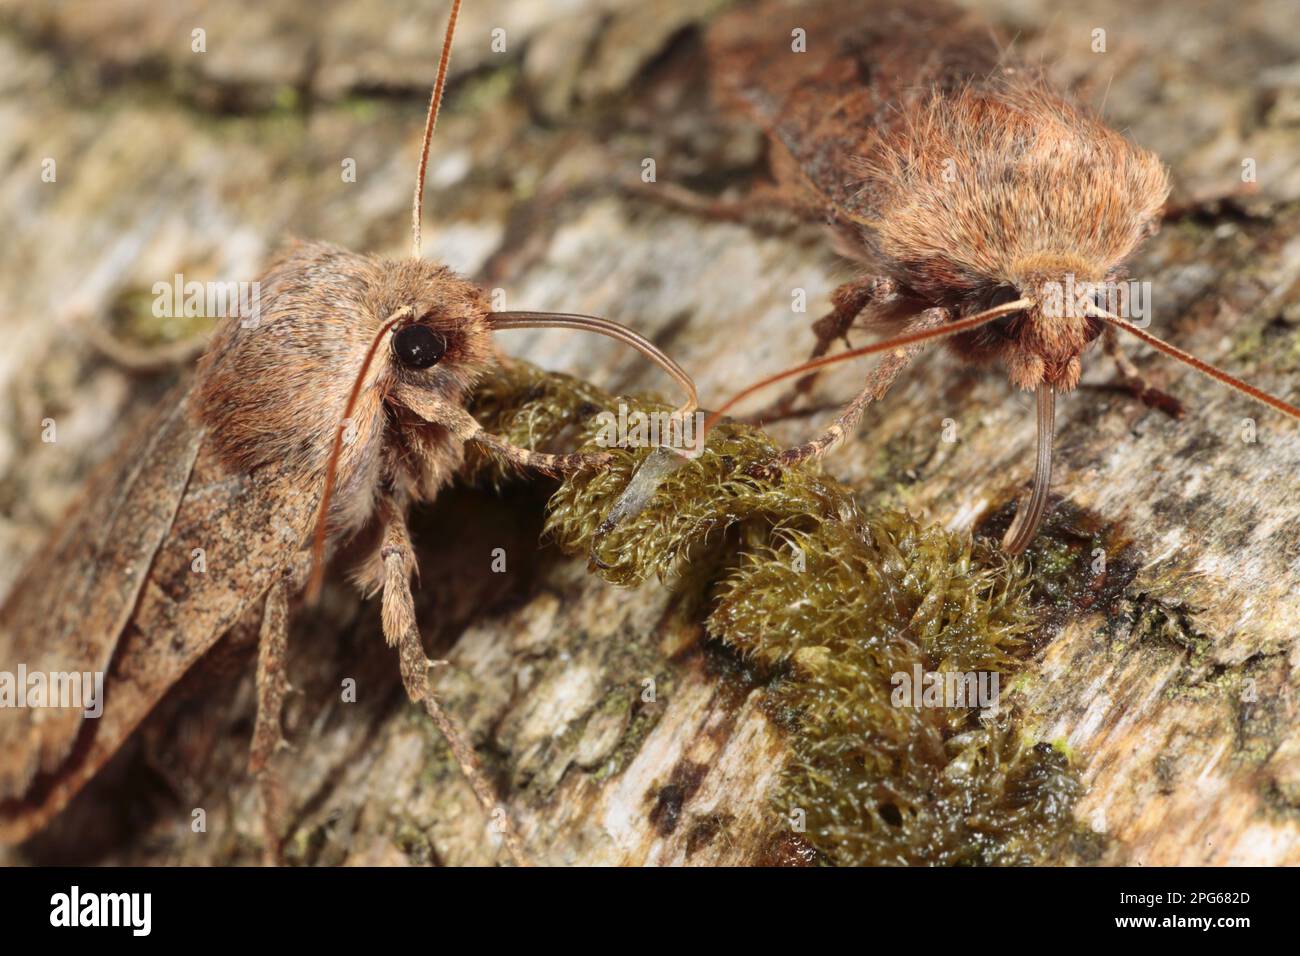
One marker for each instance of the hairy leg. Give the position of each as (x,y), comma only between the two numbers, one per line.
(878,382)
(463,425)
(847,302)
(401,632)
(760,207)
(268,735)
(524,458)
(1133,380)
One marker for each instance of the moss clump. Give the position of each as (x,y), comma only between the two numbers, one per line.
(880,581)
(880,783)
(1169,620)
(832,602)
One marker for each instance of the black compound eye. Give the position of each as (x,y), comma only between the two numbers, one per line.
(1002,295)
(1004,327)
(418,346)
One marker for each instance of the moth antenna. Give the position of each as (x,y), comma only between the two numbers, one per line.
(430,121)
(1205,368)
(1101,110)
(1030,514)
(902,341)
(592,323)
(1004,49)
(317,576)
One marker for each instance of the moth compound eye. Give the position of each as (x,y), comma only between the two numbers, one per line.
(1002,295)
(418,346)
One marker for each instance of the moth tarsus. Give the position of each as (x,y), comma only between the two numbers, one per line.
(342,406)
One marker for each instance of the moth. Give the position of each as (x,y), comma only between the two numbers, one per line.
(316,425)
(975,197)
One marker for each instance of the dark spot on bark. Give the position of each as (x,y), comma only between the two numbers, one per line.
(667,809)
(705,830)
(1201,445)
(176,586)
(682,783)
(735,676)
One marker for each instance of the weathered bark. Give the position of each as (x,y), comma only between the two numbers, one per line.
(1175,694)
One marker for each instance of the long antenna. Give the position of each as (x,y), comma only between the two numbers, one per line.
(902,341)
(1205,368)
(430,121)
(592,323)
(312,591)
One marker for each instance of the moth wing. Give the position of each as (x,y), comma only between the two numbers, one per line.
(824,106)
(67,609)
(231,535)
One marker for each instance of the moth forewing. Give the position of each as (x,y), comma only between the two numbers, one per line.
(66,613)
(247,528)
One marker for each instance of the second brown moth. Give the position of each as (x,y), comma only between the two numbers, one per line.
(984,207)
(317,424)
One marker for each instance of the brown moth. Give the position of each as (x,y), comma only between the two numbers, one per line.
(315,425)
(971,192)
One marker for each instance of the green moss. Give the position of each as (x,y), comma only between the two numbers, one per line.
(414,844)
(484,91)
(1075,563)
(286,99)
(830,600)
(1277,342)
(1169,621)
(643,719)
(317,844)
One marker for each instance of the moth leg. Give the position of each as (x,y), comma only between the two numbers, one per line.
(464,426)
(879,379)
(268,735)
(847,301)
(557,465)
(1209,204)
(400,631)
(757,207)
(1133,380)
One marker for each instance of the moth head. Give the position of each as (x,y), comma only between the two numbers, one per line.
(1043,345)
(1042,341)
(429,342)
(1012,190)
(271,384)
(440,339)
